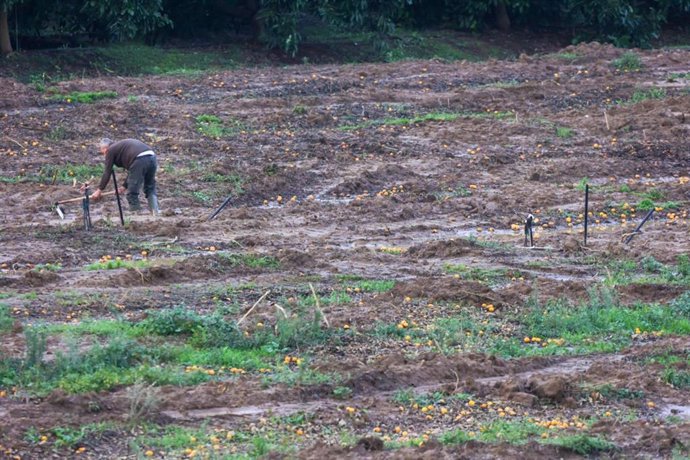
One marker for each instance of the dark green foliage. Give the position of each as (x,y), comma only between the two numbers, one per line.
(284,24)
(179,320)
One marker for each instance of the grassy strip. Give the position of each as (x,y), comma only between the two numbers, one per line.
(440,116)
(601,324)
(114,264)
(65,174)
(88,97)
(211,347)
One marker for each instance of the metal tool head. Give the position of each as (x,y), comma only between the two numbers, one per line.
(59,211)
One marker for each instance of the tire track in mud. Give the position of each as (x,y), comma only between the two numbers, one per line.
(570,366)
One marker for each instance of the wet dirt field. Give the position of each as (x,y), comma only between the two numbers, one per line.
(417,176)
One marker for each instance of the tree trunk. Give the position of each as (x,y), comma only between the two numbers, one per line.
(5,44)
(502,18)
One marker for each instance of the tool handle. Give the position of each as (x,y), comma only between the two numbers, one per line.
(74,200)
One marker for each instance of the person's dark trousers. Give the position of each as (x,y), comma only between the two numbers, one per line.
(142,173)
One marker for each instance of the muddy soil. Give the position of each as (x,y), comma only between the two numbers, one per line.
(414,172)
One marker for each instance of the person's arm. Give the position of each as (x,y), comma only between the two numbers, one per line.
(109,161)
(108,171)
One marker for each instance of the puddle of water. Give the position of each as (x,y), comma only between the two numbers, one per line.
(674,410)
(247,411)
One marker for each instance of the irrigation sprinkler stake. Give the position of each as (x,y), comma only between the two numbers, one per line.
(117,195)
(220,208)
(528,230)
(586,210)
(87,212)
(637,230)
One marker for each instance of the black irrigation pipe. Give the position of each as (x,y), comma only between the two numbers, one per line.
(220,208)
(586,210)
(637,230)
(528,230)
(117,195)
(87,212)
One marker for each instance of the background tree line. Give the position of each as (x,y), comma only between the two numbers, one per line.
(280,23)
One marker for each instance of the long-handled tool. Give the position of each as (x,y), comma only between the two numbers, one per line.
(61,212)
(119,204)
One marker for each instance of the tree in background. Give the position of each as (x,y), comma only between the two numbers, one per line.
(5,43)
(280,23)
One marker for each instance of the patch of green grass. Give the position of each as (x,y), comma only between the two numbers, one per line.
(47,267)
(649,271)
(429,117)
(63,174)
(613,393)
(582,184)
(235,181)
(567,56)
(563,132)
(6,320)
(515,432)
(677,378)
(87,97)
(249,359)
(57,133)
(133,59)
(250,260)
(583,444)
(602,316)
(114,264)
(408,397)
(172,321)
(335,297)
(214,127)
(459,191)
(679,76)
(394,251)
(342,392)
(348,277)
(172,437)
(202,197)
(628,61)
(69,436)
(641,95)
(375,285)
(97,327)
(654,195)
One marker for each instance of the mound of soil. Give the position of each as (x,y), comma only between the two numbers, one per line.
(442,249)
(374,181)
(451,289)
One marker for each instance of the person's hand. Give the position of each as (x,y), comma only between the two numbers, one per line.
(122,190)
(95,196)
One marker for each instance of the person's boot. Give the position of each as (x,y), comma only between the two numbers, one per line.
(153,204)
